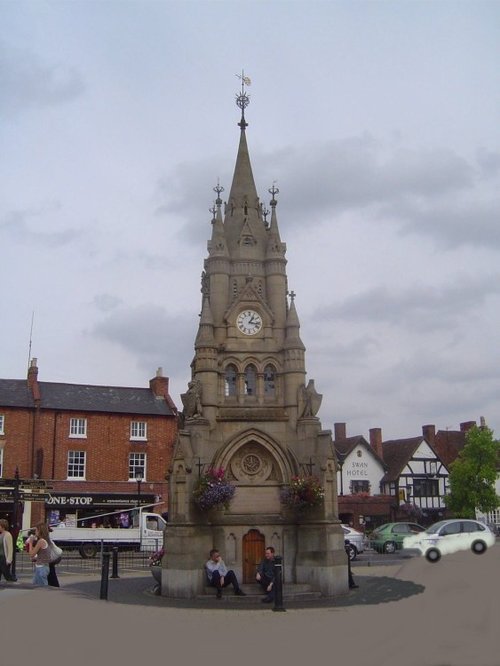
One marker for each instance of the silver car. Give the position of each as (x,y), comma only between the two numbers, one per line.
(449,536)
(356,541)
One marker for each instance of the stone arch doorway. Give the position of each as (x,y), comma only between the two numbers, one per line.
(253,552)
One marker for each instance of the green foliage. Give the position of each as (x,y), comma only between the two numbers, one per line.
(473,475)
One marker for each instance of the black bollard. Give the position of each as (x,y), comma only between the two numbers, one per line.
(114,567)
(105,575)
(278,584)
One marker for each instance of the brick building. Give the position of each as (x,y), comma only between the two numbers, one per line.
(100,449)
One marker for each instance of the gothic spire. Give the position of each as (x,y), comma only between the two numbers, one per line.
(243,186)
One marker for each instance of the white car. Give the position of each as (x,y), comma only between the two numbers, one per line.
(356,540)
(449,536)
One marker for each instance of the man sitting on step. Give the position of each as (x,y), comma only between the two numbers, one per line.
(219,576)
(265,575)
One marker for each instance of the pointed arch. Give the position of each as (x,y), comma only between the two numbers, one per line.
(285,462)
(250,379)
(270,381)
(230,380)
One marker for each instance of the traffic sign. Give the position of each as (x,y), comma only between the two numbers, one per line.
(33,483)
(26,483)
(34,497)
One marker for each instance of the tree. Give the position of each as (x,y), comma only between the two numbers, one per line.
(473,475)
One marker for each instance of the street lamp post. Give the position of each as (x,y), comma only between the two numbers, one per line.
(15,523)
(139,478)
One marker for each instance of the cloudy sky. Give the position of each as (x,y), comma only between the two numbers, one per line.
(379,123)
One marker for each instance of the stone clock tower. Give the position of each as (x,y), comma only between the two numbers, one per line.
(250,410)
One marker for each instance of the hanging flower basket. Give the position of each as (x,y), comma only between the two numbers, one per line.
(213,490)
(303,492)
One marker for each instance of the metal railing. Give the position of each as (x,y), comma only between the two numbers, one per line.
(73,562)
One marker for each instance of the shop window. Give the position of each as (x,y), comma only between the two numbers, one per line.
(230,381)
(250,380)
(2,423)
(78,428)
(76,464)
(138,430)
(137,466)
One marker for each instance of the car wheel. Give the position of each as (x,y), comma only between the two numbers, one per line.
(389,547)
(478,547)
(433,555)
(87,550)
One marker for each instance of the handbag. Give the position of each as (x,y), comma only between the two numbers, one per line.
(55,554)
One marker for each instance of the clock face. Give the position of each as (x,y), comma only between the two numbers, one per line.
(249,322)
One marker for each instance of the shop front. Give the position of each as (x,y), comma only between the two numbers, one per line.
(94,509)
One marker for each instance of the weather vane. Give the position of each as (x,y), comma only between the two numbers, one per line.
(242,99)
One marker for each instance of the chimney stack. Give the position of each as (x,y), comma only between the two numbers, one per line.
(159,384)
(376,441)
(33,380)
(429,433)
(340,431)
(467,425)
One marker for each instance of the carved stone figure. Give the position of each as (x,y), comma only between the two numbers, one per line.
(192,400)
(309,400)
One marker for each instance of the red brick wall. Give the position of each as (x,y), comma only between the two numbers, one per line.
(107,448)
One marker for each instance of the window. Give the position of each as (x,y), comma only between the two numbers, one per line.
(470,526)
(360,487)
(76,464)
(451,528)
(269,381)
(78,428)
(137,466)
(230,381)
(401,529)
(2,422)
(250,380)
(425,488)
(138,430)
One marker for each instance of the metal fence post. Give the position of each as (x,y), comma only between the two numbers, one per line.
(114,570)
(278,584)
(105,575)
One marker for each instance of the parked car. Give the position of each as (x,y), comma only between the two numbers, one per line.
(449,536)
(389,537)
(355,539)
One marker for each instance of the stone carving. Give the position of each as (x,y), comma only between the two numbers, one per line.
(192,400)
(205,284)
(309,400)
(251,463)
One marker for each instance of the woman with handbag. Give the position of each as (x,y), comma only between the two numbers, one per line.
(52,578)
(39,549)
(6,550)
